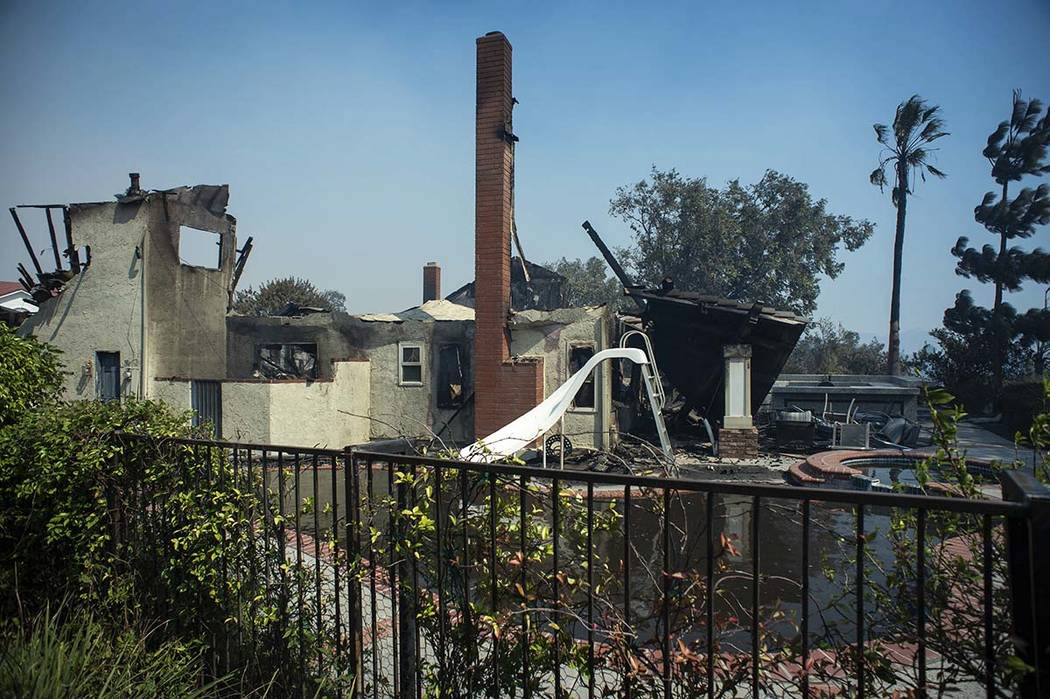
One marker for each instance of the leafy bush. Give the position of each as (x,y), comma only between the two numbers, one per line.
(52,658)
(113,521)
(60,476)
(30,375)
(106,506)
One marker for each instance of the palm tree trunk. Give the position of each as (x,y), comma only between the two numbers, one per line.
(893,354)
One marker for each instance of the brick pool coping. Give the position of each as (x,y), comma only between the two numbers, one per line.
(835,465)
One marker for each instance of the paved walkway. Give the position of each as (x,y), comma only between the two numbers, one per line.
(983,444)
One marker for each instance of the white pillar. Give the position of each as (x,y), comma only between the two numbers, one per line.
(737,387)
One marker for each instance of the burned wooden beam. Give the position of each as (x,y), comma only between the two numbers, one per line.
(71,252)
(27,278)
(54,240)
(613,263)
(25,239)
(238,267)
(629,287)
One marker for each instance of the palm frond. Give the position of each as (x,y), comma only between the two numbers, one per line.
(916,157)
(933,130)
(881,132)
(935,172)
(878,177)
(907,119)
(1020,108)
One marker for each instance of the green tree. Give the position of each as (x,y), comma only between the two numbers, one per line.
(588,282)
(275,294)
(906,152)
(1016,149)
(828,348)
(768,242)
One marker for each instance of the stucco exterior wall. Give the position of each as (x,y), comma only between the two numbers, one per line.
(136,298)
(293,413)
(316,413)
(396,410)
(246,413)
(102,308)
(551,335)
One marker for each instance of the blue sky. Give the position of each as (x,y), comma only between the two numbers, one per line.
(346,131)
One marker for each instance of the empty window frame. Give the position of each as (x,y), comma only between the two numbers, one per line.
(410,363)
(287,361)
(199,248)
(578,356)
(451,373)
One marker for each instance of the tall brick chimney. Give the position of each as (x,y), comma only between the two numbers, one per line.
(431,282)
(504,389)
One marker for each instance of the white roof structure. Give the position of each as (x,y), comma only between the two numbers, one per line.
(437,310)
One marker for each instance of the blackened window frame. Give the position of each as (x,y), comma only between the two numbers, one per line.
(285,350)
(448,372)
(575,363)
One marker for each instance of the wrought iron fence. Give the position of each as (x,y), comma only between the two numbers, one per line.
(375,575)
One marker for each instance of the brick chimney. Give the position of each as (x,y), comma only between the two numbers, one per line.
(504,388)
(431,282)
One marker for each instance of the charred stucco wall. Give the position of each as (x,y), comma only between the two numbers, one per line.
(296,413)
(551,335)
(187,304)
(135,298)
(395,409)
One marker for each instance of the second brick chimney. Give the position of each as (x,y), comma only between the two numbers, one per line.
(431,282)
(504,388)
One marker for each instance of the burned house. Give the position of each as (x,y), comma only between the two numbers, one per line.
(134,318)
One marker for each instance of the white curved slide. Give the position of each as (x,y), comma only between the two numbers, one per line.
(514,437)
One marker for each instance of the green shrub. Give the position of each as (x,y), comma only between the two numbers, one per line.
(52,658)
(30,375)
(65,494)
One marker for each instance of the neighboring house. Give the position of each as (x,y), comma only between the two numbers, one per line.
(15,304)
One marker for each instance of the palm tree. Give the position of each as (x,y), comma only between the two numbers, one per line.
(906,149)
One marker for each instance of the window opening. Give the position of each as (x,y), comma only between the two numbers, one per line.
(199,248)
(286,361)
(450,377)
(206,401)
(578,357)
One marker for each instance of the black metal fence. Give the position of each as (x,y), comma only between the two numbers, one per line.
(378,575)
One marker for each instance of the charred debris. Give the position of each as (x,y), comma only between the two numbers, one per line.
(689,332)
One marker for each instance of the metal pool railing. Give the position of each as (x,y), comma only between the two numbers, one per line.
(406,576)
